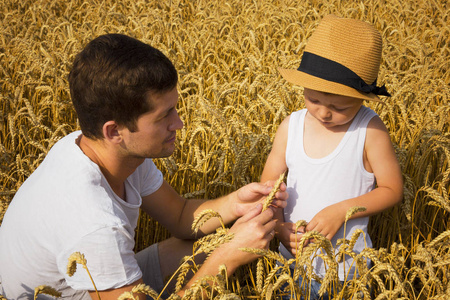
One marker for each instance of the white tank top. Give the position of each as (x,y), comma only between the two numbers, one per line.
(314,184)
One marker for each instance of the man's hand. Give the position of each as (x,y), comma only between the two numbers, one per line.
(250,194)
(253,230)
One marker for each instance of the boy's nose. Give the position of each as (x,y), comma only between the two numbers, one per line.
(325,113)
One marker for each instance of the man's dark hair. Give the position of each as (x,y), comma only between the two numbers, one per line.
(112,78)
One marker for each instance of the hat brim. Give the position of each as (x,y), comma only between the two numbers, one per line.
(315,83)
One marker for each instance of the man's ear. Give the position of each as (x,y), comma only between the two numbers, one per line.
(111,132)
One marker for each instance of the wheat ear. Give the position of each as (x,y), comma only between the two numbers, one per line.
(140,288)
(272,193)
(127,296)
(79,258)
(44,289)
(145,289)
(205,216)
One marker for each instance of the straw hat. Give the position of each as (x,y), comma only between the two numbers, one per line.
(342,57)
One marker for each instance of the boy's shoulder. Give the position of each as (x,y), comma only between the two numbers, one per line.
(296,114)
(375,121)
(377,133)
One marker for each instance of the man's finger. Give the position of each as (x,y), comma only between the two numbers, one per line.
(253,212)
(263,188)
(270,225)
(265,216)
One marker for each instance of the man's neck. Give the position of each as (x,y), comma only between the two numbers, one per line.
(113,164)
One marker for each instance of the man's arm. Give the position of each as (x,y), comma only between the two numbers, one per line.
(113,294)
(254,230)
(176,213)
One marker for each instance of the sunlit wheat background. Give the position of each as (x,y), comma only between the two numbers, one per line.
(232,100)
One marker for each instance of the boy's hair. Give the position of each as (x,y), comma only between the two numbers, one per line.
(112,78)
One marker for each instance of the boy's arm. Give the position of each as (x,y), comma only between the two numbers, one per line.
(382,161)
(276,161)
(276,165)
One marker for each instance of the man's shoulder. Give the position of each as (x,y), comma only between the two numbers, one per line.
(69,138)
(147,178)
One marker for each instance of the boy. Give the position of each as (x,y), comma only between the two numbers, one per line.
(338,153)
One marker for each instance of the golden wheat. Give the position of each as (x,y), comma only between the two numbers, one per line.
(140,288)
(203,217)
(44,289)
(78,258)
(275,189)
(232,101)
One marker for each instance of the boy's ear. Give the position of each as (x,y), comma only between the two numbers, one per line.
(111,132)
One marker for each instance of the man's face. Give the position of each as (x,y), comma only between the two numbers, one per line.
(156,130)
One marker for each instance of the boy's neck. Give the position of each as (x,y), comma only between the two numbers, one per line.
(320,141)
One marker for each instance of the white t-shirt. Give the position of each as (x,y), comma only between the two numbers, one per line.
(314,184)
(66,206)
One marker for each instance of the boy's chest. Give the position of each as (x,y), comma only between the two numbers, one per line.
(319,142)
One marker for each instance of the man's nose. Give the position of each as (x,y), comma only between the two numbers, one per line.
(177,123)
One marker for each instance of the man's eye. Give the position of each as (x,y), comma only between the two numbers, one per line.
(168,113)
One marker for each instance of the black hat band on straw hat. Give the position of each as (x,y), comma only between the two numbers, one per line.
(327,69)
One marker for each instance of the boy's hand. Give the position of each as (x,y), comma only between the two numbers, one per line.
(327,221)
(250,194)
(285,232)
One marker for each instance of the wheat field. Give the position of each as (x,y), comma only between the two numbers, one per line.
(232,100)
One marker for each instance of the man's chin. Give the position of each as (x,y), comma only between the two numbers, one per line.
(167,153)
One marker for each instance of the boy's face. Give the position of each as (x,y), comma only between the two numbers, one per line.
(331,110)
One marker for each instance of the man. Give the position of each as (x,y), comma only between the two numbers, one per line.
(86,194)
